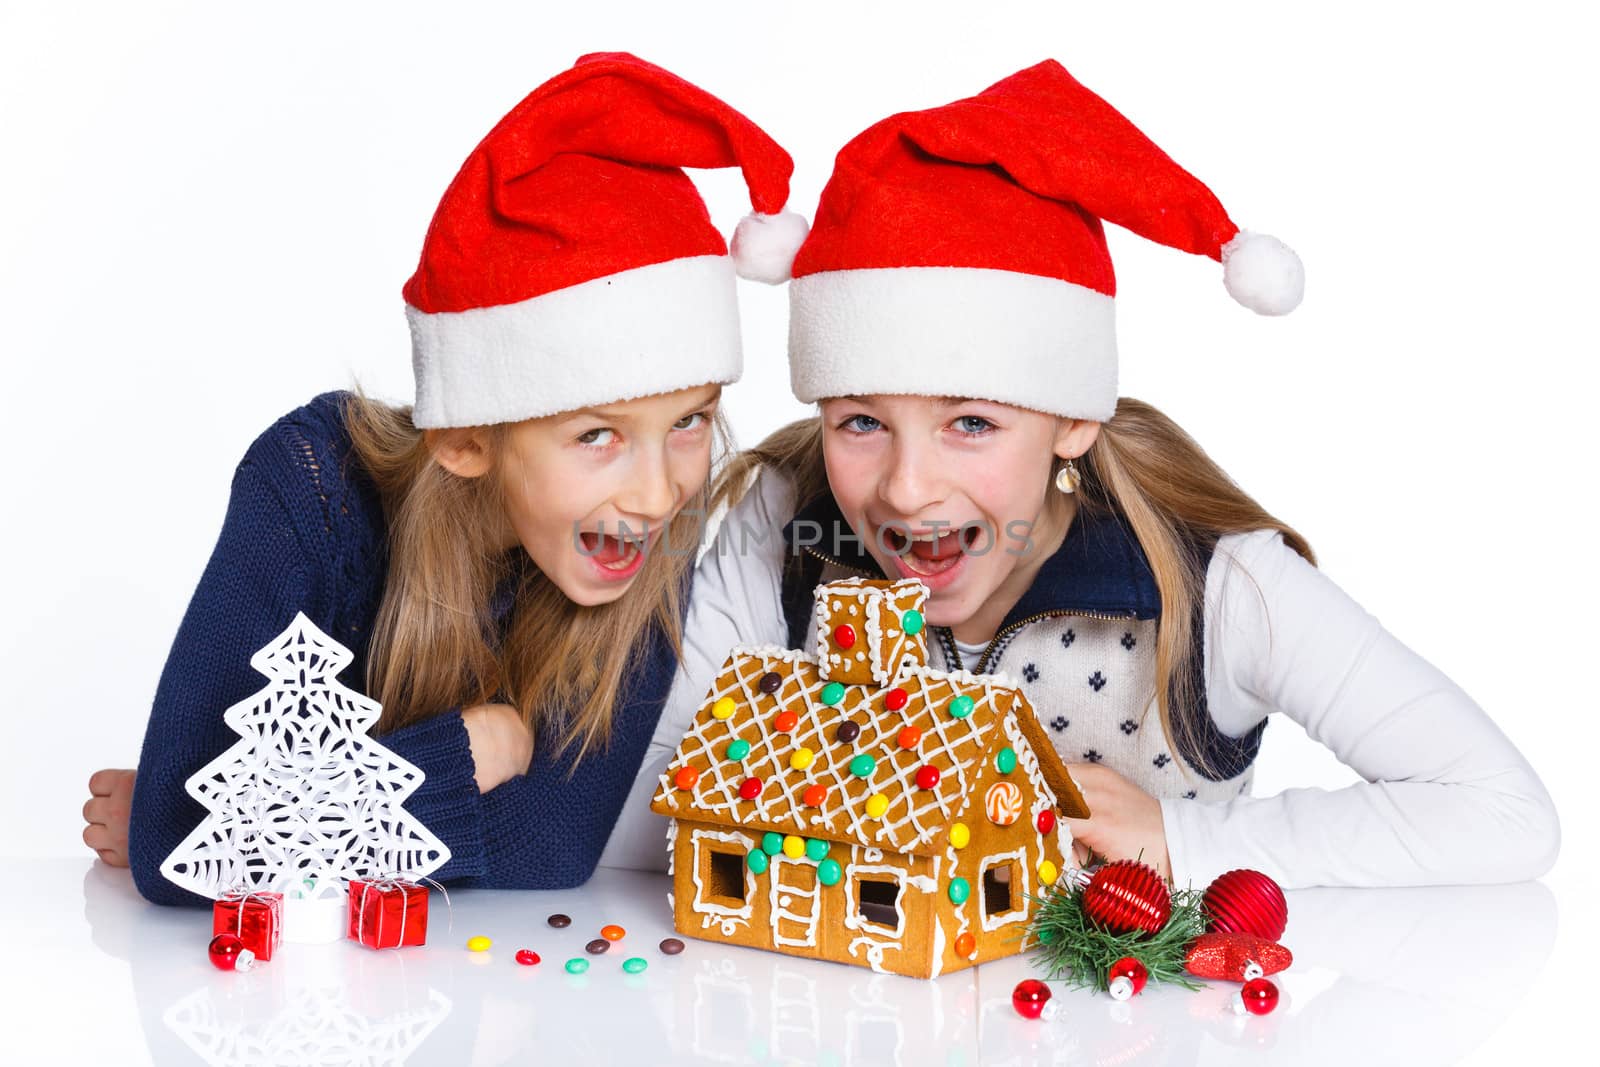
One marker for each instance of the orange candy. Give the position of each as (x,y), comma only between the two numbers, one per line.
(910,737)
(785,721)
(613,933)
(966,946)
(814,796)
(686,777)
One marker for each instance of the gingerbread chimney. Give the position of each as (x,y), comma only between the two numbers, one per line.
(867,631)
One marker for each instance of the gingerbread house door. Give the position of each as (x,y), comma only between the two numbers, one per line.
(796,901)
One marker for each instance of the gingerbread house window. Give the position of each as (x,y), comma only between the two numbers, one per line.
(1004,893)
(997,890)
(724,878)
(878,901)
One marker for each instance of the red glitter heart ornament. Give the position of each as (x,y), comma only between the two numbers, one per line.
(1227,955)
(1246,902)
(1128,895)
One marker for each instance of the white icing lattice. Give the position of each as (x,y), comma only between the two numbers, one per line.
(305,795)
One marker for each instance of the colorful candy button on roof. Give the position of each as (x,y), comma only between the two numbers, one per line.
(844,635)
(737,749)
(750,788)
(724,708)
(877,804)
(686,778)
(801,758)
(847,732)
(895,699)
(911,622)
(862,765)
(770,682)
(927,776)
(1005,761)
(814,795)
(832,693)
(910,737)
(785,721)
(961,707)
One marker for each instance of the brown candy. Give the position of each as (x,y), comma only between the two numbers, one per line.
(847,732)
(597,946)
(770,682)
(672,946)
(558,920)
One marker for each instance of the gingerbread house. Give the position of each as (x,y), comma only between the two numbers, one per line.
(859,806)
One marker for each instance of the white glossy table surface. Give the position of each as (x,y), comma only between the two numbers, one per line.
(95,975)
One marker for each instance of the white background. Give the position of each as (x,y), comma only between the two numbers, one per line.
(207,212)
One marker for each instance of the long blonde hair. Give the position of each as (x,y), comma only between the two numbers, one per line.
(1144,467)
(434,644)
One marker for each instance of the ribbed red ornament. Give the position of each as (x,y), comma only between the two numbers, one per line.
(1245,902)
(1127,895)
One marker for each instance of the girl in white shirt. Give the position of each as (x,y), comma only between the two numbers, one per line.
(952,314)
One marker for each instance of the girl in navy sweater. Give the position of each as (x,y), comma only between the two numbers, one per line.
(508,558)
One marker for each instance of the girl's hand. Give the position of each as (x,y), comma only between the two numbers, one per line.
(110,801)
(1125,821)
(502,747)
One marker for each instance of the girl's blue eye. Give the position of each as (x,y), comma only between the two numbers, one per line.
(974,424)
(599,437)
(861,424)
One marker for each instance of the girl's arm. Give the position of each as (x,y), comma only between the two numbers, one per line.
(736,600)
(1447,798)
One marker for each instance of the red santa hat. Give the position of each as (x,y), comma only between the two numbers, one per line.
(572,262)
(959,251)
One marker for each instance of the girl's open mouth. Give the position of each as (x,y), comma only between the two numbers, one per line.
(612,556)
(928,553)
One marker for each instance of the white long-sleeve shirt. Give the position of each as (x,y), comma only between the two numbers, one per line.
(1446,797)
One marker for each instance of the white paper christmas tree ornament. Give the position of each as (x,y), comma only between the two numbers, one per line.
(305,799)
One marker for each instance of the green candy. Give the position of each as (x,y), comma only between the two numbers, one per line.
(832,693)
(961,707)
(959,890)
(577,966)
(863,766)
(1047,936)
(1005,761)
(756,861)
(771,843)
(739,749)
(635,964)
(911,622)
(829,872)
(816,849)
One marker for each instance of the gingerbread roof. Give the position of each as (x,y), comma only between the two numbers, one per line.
(799,775)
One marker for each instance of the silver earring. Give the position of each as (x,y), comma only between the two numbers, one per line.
(1068,479)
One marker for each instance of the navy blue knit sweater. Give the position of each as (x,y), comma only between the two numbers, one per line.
(305,531)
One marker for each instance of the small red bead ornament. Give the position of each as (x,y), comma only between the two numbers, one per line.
(228,953)
(895,699)
(1126,896)
(844,635)
(1228,956)
(814,796)
(785,721)
(1245,902)
(1046,821)
(927,776)
(750,788)
(1030,997)
(1126,978)
(1258,997)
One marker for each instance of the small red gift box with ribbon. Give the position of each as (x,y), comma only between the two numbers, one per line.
(388,913)
(256,918)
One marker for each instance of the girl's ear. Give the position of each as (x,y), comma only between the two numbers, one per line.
(1074,437)
(466,452)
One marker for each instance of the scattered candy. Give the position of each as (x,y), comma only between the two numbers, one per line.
(961,707)
(724,708)
(863,765)
(877,804)
(756,861)
(960,890)
(577,965)
(1126,978)
(785,721)
(671,946)
(966,946)
(1258,997)
(814,796)
(829,872)
(770,682)
(1030,997)
(960,835)
(910,737)
(597,947)
(911,622)
(895,699)
(1005,761)
(816,850)
(750,788)
(847,732)
(634,964)
(832,693)
(613,932)
(478,944)
(1046,821)
(844,635)
(686,778)
(559,920)
(227,953)
(927,776)
(794,847)
(801,758)
(527,957)
(771,843)
(737,750)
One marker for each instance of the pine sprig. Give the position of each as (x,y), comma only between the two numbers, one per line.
(1073,948)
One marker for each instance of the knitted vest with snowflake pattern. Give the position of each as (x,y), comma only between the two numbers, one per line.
(1080,642)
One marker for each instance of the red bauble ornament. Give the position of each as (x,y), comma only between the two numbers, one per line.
(1245,902)
(1126,978)
(1227,956)
(1259,996)
(1030,997)
(228,953)
(1127,895)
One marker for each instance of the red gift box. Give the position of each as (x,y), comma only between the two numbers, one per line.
(253,917)
(388,914)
